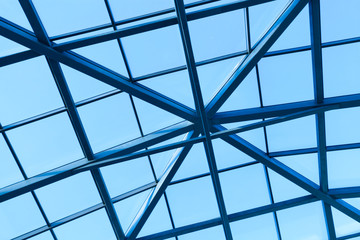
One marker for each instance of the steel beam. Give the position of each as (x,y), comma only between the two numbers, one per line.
(288,173)
(261,47)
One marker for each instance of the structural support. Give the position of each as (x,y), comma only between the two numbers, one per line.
(256,54)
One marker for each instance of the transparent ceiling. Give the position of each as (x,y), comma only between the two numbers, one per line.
(184,119)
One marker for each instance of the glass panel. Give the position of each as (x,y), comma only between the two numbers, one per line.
(295,134)
(43,236)
(8,47)
(259,227)
(158,221)
(194,164)
(93,226)
(228,156)
(263,16)
(83,86)
(192,201)
(218,35)
(12,11)
(27,89)
(174,85)
(284,189)
(311,219)
(18,216)
(244,188)
(63,16)
(126,176)
(9,171)
(343,167)
(245,96)
(214,233)
(297,34)
(106,54)
(68,196)
(109,122)
(128,208)
(342,126)
(153,118)
(338,21)
(154,51)
(212,76)
(45,144)
(286,78)
(344,225)
(341,77)
(129,9)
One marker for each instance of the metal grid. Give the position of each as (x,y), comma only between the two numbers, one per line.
(203,125)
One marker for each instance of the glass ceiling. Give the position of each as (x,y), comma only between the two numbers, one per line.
(202,119)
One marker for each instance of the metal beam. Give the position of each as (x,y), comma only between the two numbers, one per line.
(89,68)
(282,22)
(288,173)
(150,203)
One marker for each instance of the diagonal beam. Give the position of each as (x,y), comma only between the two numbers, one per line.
(283,21)
(200,109)
(89,68)
(150,203)
(288,173)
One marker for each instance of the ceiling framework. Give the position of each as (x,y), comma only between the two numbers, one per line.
(202,125)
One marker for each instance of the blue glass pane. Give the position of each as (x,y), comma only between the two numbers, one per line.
(8,47)
(18,216)
(260,227)
(109,122)
(158,221)
(218,35)
(227,155)
(283,189)
(106,54)
(12,11)
(212,76)
(174,85)
(297,34)
(93,226)
(303,222)
(294,134)
(195,163)
(341,72)
(68,196)
(128,208)
(214,233)
(9,171)
(344,225)
(43,236)
(83,86)
(129,9)
(338,21)
(126,176)
(63,16)
(192,201)
(153,118)
(154,50)
(342,126)
(246,95)
(27,89)
(343,168)
(244,188)
(286,78)
(262,17)
(45,144)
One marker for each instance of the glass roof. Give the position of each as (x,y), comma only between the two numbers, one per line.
(181,120)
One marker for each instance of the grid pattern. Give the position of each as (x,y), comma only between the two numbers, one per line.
(257,163)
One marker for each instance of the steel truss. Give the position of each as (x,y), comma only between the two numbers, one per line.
(201,125)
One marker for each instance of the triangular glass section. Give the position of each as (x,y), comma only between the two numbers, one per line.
(12,11)
(8,47)
(344,225)
(106,54)
(213,75)
(174,85)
